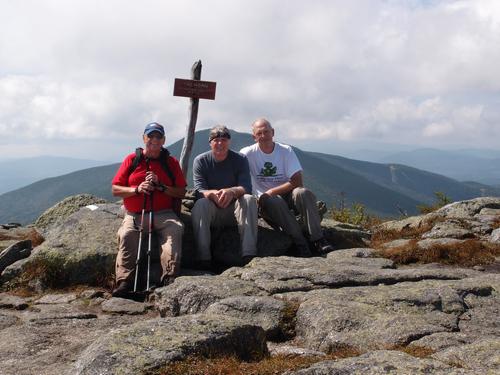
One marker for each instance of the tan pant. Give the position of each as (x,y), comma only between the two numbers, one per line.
(242,212)
(276,210)
(169,230)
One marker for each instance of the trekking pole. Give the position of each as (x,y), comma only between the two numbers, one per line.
(141,230)
(150,231)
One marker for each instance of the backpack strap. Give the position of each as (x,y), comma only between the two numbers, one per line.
(136,161)
(164,156)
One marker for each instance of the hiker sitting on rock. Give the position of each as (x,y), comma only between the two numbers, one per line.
(149,173)
(277,181)
(222,177)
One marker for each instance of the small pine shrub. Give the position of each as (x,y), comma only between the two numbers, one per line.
(355,215)
(442,200)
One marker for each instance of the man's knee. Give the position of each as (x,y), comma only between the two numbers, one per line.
(201,207)
(248,198)
(248,201)
(302,194)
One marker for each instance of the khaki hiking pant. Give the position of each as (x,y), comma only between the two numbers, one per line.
(169,230)
(242,212)
(276,210)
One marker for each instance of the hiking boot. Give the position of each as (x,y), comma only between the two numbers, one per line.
(122,290)
(322,246)
(167,280)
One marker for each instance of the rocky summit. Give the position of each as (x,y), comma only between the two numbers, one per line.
(393,317)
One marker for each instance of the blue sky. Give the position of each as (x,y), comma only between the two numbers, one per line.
(82,78)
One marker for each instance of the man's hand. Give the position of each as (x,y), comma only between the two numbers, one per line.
(225,197)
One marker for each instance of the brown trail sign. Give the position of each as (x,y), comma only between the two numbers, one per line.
(195,90)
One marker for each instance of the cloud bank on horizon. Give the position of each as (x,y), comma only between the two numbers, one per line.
(81,76)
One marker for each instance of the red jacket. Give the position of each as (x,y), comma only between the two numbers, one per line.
(161,201)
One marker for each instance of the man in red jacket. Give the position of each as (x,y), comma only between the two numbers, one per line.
(137,187)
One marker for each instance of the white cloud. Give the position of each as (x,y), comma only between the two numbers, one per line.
(406,72)
(437,129)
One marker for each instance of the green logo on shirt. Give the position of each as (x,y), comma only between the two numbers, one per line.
(268,169)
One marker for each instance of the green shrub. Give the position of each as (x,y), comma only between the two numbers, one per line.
(356,214)
(442,200)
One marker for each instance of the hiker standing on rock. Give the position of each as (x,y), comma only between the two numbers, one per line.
(148,173)
(277,181)
(222,177)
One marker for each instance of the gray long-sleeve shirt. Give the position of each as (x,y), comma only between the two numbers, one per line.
(211,174)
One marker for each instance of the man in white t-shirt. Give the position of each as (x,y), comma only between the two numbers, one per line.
(277,181)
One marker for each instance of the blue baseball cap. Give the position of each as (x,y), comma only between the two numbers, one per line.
(154,127)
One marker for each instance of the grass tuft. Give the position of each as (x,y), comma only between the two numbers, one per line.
(496,223)
(231,365)
(414,350)
(466,254)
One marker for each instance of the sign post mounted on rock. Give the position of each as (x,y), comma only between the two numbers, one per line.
(195,90)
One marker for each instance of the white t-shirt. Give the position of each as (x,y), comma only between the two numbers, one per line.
(271,170)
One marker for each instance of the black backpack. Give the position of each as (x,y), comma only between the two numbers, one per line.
(164,155)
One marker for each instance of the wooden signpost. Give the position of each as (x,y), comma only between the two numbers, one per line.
(195,90)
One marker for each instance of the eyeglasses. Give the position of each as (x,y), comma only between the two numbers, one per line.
(154,135)
(219,139)
(262,133)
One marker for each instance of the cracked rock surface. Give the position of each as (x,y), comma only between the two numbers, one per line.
(278,305)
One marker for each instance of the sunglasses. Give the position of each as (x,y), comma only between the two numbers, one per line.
(154,135)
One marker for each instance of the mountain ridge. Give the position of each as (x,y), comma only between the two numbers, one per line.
(384,189)
(17,173)
(460,165)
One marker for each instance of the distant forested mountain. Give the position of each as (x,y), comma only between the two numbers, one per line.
(464,165)
(384,189)
(16,173)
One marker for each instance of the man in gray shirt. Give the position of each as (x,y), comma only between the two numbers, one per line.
(222,176)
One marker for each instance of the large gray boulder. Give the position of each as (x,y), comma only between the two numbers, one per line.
(62,210)
(78,250)
(193,294)
(381,317)
(149,345)
(482,355)
(475,216)
(80,243)
(276,317)
(353,267)
(351,301)
(470,208)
